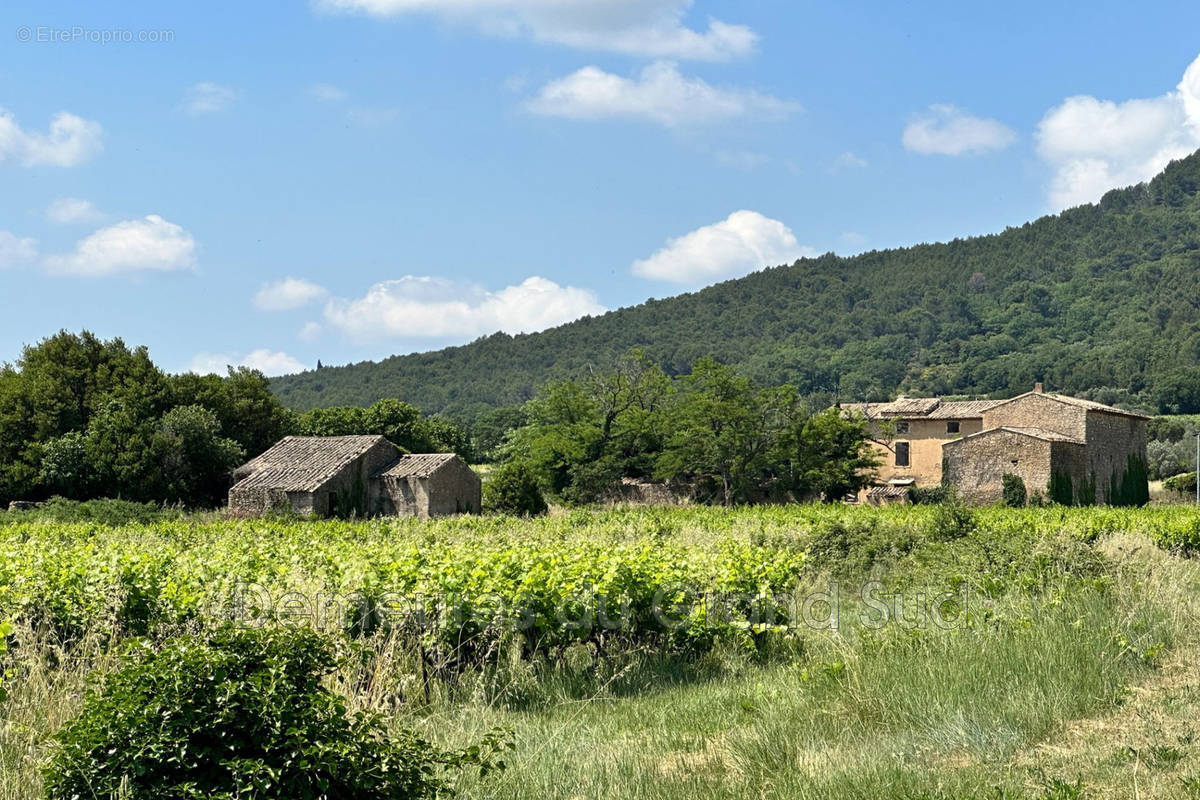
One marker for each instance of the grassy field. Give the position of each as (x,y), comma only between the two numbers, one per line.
(662,653)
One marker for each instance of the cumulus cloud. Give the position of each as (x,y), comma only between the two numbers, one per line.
(949,131)
(1095,145)
(70,141)
(16,251)
(137,245)
(265,361)
(647,28)
(659,94)
(208,98)
(287,294)
(739,244)
(72,211)
(428,307)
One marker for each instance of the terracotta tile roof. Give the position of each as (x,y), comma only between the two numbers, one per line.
(961,409)
(417,464)
(303,463)
(922,408)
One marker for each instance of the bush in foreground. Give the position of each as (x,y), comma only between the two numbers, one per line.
(239,713)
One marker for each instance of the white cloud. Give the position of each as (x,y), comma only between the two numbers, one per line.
(287,294)
(741,243)
(71,211)
(1096,145)
(16,251)
(647,28)
(136,245)
(310,332)
(71,140)
(266,361)
(326,92)
(208,98)
(848,160)
(949,131)
(660,94)
(427,307)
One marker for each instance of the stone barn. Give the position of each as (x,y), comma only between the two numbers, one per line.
(1087,448)
(429,485)
(324,476)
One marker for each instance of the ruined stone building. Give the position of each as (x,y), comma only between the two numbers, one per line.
(353,475)
(1086,449)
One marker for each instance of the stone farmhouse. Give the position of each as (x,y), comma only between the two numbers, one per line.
(1037,436)
(325,476)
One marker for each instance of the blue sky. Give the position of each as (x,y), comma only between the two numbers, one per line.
(276,183)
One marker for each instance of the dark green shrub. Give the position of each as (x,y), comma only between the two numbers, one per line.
(1085,495)
(951,519)
(1184,484)
(239,714)
(1134,488)
(513,489)
(926,496)
(105,511)
(1013,490)
(1061,490)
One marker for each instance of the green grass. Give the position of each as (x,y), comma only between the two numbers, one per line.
(1077,622)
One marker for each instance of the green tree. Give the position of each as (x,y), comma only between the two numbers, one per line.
(490,429)
(724,428)
(828,455)
(336,421)
(512,488)
(64,466)
(248,412)
(192,460)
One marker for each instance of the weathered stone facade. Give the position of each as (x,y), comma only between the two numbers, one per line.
(977,466)
(1035,436)
(343,475)
(431,485)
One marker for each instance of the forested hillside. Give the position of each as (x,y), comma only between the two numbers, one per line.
(1101,301)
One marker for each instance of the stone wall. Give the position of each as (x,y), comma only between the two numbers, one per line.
(454,488)
(976,466)
(1112,439)
(1039,411)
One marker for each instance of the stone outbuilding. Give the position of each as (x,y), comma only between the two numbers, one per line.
(324,476)
(429,485)
(1091,449)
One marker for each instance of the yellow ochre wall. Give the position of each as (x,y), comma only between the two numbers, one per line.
(925,438)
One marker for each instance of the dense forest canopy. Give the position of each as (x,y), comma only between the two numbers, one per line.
(1099,301)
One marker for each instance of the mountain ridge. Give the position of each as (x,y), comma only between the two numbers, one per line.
(1100,300)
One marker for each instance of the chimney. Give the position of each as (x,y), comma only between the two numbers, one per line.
(1037,387)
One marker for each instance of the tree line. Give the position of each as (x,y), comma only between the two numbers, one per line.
(83,418)
(726,437)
